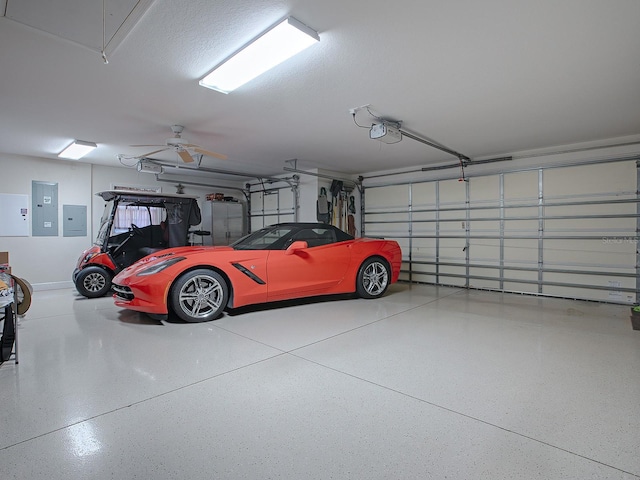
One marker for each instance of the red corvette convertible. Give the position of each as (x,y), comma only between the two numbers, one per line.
(280,262)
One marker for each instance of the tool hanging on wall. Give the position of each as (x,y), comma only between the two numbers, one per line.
(351,219)
(345,210)
(336,189)
(323,207)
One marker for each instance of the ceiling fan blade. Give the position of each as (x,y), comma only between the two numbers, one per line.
(210,154)
(184,155)
(151,153)
(151,145)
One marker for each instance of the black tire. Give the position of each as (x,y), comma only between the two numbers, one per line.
(93,282)
(199,295)
(373,278)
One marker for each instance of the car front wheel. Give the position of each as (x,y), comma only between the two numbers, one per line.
(93,282)
(199,295)
(373,278)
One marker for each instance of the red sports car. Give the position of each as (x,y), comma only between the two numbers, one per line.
(280,262)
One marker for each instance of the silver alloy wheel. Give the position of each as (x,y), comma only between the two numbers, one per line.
(94,282)
(200,296)
(375,278)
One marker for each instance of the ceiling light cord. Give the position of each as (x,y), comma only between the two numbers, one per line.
(103,53)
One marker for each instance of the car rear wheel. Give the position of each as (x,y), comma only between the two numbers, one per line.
(93,282)
(199,295)
(373,278)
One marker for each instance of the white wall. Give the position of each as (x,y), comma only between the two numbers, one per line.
(45,260)
(48,262)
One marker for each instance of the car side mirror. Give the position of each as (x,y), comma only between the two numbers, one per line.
(296,247)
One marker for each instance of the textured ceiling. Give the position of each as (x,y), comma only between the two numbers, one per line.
(97,25)
(482,78)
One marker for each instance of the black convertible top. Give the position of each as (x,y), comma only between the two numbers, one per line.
(341,236)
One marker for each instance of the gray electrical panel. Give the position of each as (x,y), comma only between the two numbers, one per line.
(44,199)
(74,220)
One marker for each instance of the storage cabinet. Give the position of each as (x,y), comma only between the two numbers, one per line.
(227,220)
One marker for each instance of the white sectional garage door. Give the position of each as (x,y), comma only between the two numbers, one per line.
(566,231)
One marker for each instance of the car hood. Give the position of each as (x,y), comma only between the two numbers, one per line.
(162,255)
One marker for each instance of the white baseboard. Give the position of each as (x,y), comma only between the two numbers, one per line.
(51,285)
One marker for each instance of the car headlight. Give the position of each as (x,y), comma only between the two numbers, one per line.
(88,257)
(158,267)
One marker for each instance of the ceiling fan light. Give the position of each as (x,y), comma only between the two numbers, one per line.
(274,46)
(77,150)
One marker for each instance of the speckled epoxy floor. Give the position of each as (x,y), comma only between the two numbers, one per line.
(424,383)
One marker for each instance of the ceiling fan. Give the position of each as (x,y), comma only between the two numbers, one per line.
(181,147)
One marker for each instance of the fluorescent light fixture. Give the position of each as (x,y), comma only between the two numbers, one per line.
(277,44)
(77,149)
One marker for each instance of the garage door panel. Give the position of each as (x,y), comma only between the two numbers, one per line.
(484,278)
(452,192)
(593,209)
(452,227)
(604,227)
(527,276)
(387,230)
(423,195)
(590,293)
(456,215)
(424,228)
(377,219)
(387,198)
(271,220)
(423,269)
(489,227)
(523,287)
(590,180)
(452,281)
(588,252)
(424,248)
(270,202)
(286,200)
(519,251)
(530,213)
(424,278)
(521,228)
(486,212)
(587,279)
(426,217)
(484,190)
(487,252)
(521,187)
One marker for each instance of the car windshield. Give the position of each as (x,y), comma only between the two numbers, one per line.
(113,223)
(103,230)
(264,239)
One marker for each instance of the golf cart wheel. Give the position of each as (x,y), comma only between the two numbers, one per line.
(93,282)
